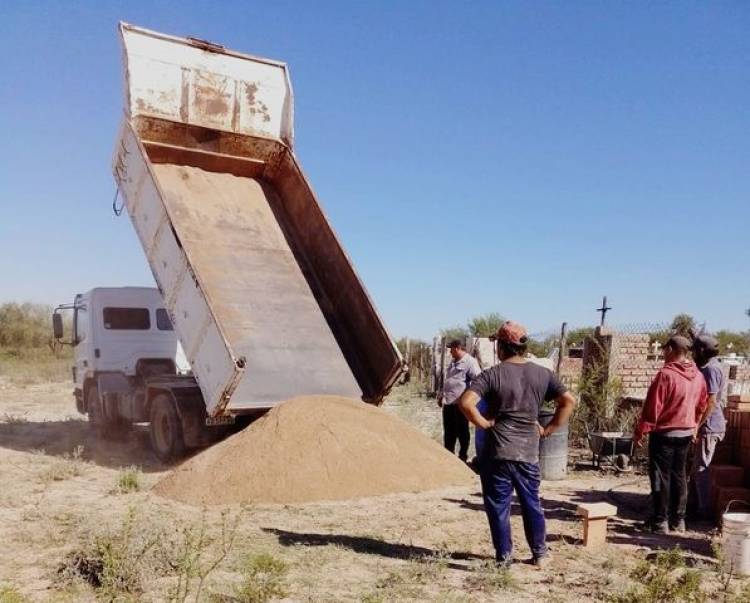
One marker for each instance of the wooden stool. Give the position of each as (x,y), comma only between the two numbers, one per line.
(595,522)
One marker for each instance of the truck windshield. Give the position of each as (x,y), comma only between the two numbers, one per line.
(127,319)
(162,320)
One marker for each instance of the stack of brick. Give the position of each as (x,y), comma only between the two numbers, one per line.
(730,468)
(727,485)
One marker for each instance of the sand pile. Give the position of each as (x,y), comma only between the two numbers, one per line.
(316,448)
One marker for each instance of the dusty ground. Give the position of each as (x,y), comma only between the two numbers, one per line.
(59,493)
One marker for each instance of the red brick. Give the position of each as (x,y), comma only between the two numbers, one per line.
(743,457)
(726,475)
(725,495)
(723,455)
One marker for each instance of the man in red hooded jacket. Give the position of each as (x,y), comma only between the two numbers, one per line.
(671,413)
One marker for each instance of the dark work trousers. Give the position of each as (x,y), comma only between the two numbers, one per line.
(499,479)
(667,469)
(703,453)
(456,427)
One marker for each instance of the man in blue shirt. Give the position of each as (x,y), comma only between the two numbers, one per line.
(712,426)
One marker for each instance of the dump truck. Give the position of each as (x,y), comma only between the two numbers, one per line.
(261,295)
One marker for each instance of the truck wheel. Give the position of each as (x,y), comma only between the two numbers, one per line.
(97,424)
(166,429)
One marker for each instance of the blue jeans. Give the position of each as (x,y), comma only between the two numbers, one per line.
(499,479)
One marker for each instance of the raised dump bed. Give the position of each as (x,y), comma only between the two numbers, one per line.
(264,299)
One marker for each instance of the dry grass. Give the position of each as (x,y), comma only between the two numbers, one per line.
(36,365)
(128,480)
(68,466)
(10,594)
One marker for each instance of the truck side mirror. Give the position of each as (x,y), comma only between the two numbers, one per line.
(57,325)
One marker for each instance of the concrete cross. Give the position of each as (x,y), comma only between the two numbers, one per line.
(604,309)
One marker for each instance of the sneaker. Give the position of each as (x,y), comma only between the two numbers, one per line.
(678,527)
(503,562)
(542,561)
(660,528)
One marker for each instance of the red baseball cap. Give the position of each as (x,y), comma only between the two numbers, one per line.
(512,332)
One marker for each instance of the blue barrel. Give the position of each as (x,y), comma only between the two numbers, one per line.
(553,450)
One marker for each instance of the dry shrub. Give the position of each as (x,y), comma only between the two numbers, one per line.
(491,578)
(128,480)
(10,594)
(117,562)
(665,579)
(70,465)
(262,579)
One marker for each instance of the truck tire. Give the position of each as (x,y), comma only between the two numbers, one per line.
(97,423)
(100,425)
(167,439)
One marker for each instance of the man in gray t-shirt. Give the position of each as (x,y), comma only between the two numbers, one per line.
(712,426)
(514,392)
(462,369)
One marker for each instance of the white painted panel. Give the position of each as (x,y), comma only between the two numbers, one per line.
(172,78)
(149,212)
(156,87)
(211,99)
(168,264)
(190,309)
(213,367)
(129,166)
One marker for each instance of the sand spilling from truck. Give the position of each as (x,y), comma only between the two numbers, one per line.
(315,448)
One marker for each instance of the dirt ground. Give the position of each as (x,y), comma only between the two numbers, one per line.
(61,491)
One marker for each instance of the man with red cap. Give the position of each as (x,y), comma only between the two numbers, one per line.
(514,391)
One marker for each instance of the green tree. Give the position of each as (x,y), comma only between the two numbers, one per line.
(576,337)
(541,349)
(486,324)
(682,324)
(25,326)
(732,341)
(457,332)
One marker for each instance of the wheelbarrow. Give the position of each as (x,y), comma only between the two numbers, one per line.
(613,447)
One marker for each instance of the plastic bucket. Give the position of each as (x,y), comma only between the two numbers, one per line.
(735,542)
(553,450)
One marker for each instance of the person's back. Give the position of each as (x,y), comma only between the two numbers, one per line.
(673,408)
(515,392)
(674,399)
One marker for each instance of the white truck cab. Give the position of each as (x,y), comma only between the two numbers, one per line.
(122,338)
(121,329)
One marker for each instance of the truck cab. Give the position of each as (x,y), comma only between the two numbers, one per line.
(122,339)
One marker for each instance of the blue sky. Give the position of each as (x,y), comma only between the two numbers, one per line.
(520,157)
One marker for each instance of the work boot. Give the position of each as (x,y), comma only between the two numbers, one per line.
(678,527)
(656,527)
(661,527)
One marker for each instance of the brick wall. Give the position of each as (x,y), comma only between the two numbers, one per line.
(632,361)
(629,362)
(570,371)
